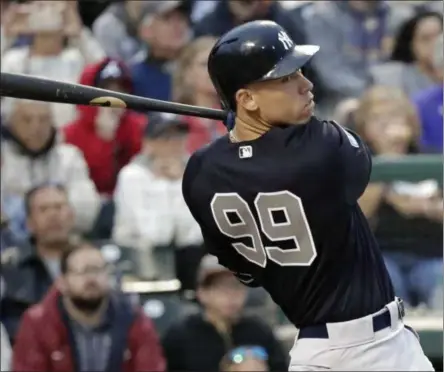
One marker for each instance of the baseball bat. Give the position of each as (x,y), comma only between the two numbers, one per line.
(41,89)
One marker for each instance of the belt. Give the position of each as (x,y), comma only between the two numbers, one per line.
(380,322)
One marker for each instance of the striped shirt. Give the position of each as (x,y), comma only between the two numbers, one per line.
(93,345)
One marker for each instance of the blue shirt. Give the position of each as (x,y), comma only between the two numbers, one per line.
(429,104)
(150,79)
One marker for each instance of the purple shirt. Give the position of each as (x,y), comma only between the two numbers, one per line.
(429,104)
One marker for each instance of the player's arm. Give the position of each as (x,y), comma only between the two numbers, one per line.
(352,157)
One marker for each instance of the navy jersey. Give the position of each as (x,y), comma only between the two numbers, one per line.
(281,212)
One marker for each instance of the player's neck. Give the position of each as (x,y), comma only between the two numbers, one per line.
(248,129)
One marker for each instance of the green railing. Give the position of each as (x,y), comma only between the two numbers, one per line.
(407,168)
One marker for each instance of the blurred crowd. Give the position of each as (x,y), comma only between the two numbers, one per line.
(91,197)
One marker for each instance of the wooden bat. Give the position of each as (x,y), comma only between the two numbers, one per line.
(41,89)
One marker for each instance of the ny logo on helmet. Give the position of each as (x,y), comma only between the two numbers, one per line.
(285,40)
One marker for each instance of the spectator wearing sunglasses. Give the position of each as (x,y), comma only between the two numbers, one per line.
(245,358)
(200,341)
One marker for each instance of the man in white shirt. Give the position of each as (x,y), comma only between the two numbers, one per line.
(150,210)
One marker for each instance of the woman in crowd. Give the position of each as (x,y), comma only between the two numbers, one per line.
(192,86)
(59,45)
(411,66)
(406,216)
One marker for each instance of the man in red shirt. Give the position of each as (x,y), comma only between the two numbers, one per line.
(81,325)
(108,137)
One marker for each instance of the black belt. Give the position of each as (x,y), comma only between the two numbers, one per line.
(380,322)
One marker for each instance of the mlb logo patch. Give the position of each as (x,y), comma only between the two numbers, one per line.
(245,152)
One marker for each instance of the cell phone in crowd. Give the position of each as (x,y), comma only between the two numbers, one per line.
(45,17)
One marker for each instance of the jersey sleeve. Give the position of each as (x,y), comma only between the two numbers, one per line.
(354,159)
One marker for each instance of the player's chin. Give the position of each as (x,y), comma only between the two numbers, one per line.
(305,117)
(306,113)
(308,109)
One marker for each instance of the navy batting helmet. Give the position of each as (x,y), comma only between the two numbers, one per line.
(254,51)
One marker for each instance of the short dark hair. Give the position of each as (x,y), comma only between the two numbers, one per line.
(67,253)
(402,50)
(29,196)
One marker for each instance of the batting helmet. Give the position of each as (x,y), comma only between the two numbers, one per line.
(254,51)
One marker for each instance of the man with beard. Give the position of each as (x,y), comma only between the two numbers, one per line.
(82,325)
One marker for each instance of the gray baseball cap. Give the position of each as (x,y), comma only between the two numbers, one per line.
(160,7)
(162,124)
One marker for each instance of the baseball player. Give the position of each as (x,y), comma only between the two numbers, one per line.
(276,200)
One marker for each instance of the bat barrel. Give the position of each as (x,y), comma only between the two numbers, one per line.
(40,89)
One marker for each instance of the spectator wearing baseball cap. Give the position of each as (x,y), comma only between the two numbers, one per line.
(165,30)
(151,214)
(199,342)
(108,137)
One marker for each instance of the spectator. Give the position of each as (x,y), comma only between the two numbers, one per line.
(429,104)
(229,13)
(31,144)
(150,210)
(5,356)
(165,31)
(117,29)
(245,358)
(199,342)
(83,326)
(407,216)
(108,137)
(193,86)
(411,66)
(352,35)
(59,48)
(29,269)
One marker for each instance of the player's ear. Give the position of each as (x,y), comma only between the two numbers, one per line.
(245,99)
